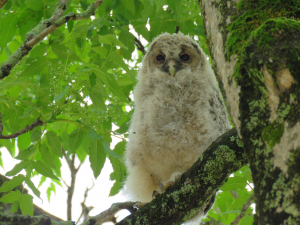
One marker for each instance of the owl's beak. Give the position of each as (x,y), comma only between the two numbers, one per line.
(171,65)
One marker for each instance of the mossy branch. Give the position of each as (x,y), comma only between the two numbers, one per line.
(46,27)
(183,200)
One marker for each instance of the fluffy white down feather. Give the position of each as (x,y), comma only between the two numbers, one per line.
(175,119)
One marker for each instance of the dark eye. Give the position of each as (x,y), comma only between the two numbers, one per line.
(160,58)
(185,57)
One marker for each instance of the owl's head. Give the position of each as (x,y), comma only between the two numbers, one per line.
(172,53)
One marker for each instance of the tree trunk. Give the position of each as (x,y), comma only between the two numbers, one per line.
(255,52)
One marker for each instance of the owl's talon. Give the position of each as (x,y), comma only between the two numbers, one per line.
(165,185)
(177,177)
(138,205)
(155,194)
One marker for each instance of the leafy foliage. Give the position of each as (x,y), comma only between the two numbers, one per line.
(79,79)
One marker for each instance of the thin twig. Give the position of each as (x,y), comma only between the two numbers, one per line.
(243,211)
(36,123)
(106,216)
(67,158)
(71,188)
(2,3)
(85,210)
(70,191)
(140,46)
(177,29)
(212,221)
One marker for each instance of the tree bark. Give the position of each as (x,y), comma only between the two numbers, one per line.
(255,51)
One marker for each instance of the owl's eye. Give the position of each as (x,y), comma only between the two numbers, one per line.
(185,57)
(160,58)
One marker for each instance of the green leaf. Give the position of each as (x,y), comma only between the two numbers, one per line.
(234,183)
(38,51)
(26,204)
(115,189)
(93,79)
(35,4)
(14,182)
(46,155)
(54,142)
(120,147)
(35,135)
(1,162)
(159,4)
(35,67)
(148,10)
(70,25)
(14,207)
(17,168)
(116,58)
(43,179)
(97,157)
(43,169)
(24,154)
(24,141)
(75,140)
(64,53)
(102,51)
(49,190)
(248,176)
(247,220)
(224,201)
(123,129)
(11,197)
(109,151)
(14,119)
(32,187)
(239,202)
(128,40)
(94,136)
(97,99)
(126,80)
(8,29)
(129,4)
(9,145)
(107,39)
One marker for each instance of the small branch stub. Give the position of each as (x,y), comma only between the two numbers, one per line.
(36,123)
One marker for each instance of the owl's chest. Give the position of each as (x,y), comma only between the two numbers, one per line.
(173,107)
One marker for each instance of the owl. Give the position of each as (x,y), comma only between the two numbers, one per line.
(178,114)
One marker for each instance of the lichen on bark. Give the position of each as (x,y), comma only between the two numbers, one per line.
(263,36)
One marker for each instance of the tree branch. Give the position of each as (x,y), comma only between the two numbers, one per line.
(85,210)
(2,3)
(140,46)
(46,27)
(26,220)
(36,123)
(108,215)
(183,200)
